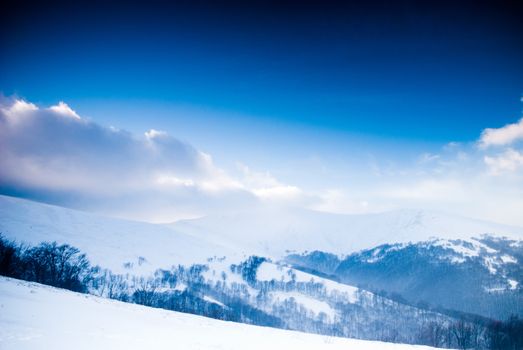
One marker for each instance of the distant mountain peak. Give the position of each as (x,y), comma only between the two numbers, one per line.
(298,230)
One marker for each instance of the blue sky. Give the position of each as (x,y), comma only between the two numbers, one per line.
(324,97)
(401,70)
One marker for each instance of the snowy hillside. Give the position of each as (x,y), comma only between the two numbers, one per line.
(113,242)
(480,275)
(108,242)
(293,299)
(273,232)
(30,314)
(221,267)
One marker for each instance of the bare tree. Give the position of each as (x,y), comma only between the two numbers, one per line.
(433,334)
(144,293)
(462,332)
(57,265)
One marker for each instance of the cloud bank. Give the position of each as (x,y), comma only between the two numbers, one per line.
(56,153)
(54,148)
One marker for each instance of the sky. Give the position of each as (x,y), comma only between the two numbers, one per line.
(160,111)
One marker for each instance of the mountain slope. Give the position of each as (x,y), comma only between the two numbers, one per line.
(301,301)
(31,312)
(112,243)
(482,275)
(274,232)
(226,276)
(223,284)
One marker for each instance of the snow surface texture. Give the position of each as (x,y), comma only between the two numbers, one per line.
(34,316)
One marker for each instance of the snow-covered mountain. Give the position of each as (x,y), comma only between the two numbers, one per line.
(277,267)
(275,232)
(120,245)
(302,301)
(272,233)
(224,284)
(31,312)
(481,275)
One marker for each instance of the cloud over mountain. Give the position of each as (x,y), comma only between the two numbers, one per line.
(55,148)
(58,156)
(55,155)
(55,151)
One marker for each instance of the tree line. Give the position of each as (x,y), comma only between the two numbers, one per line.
(49,263)
(64,266)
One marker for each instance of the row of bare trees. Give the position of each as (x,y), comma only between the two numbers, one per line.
(48,263)
(66,267)
(462,334)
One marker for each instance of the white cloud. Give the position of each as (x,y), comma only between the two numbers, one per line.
(278,192)
(508,161)
(163,180)
(503,136)
(40,148)
(257,179)
(17,110)
(428,157)
(429,189)
(339,202)
(152,134)
(55,153)
(63,109)
(267,187)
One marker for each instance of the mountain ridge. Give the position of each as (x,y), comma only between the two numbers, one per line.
(278,232)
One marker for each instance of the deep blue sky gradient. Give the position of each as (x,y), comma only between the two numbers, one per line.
(423,71)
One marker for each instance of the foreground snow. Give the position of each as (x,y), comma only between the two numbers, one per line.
(33,316)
